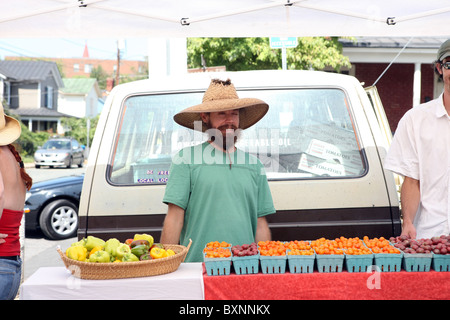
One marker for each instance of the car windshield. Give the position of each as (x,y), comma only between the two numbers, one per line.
(307,134)
(56,144)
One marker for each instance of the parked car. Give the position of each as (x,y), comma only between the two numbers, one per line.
(59,152)
(52,207)
(322,142)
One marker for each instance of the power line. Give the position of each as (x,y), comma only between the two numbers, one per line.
(90,47)
(14,51)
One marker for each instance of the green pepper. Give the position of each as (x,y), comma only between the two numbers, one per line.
(129,257)
(121,250)
(92,242)
(111,246)
(145,256)
(140,250)
(82,242)
(100,256)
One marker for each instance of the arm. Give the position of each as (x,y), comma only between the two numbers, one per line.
(262,230)
(173,223)
(2,204)
(2,194)
(410,199)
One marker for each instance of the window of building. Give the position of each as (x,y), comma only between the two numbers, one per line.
(49,97)
(87,68)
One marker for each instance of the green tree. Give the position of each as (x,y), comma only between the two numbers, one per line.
(77,128)
(255,53)
(101,76)
(28,141)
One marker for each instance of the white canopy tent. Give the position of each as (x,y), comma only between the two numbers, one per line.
(222,18)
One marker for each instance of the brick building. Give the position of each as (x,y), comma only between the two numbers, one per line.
(76,67)
(409,81)
(82,67)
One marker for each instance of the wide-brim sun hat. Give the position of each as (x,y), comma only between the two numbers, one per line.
(9,129)
(222,96)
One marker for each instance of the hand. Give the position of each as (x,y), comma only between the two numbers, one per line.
(409,230)
(2,238)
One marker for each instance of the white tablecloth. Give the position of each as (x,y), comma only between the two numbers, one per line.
(56,283)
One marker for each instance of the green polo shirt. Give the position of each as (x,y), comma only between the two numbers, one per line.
(220,203)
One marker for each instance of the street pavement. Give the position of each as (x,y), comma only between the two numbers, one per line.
(39,251)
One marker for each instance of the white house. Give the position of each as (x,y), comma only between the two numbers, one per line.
(79,97)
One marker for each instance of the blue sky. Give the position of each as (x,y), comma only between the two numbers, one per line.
(132,49)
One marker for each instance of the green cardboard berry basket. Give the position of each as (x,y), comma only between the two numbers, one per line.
(273,264)
(441,262)
(217,266)
(300,263)
(358,262)
(330,262)
(417,261)
(388,262)
(246,264)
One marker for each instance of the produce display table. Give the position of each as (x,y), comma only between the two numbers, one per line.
(56,283)
(337,285)
(191,282)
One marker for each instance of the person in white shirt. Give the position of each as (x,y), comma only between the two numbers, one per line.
(420,151)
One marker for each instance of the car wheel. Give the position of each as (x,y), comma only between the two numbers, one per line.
(37,166)
(80,165)
(59,220)
(70,163)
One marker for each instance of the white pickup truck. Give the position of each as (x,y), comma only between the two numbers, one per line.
(322,142)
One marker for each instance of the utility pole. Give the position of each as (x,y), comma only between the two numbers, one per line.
(118,66)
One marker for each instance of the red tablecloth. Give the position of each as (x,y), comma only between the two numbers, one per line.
(342,286)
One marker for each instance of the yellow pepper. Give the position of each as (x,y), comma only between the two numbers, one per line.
(170,252)
(76,253)
(95,249)
(157,253)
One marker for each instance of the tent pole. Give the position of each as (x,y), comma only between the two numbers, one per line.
(393,60)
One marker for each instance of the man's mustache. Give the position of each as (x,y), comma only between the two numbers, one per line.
(227,127)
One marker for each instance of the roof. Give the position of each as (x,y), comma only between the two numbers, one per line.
(79,86)
(394,42)
(3,74)
(38,112)
(22,70)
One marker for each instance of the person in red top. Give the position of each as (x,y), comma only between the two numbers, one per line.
(14,182)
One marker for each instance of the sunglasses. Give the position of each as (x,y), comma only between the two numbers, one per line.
(446,65)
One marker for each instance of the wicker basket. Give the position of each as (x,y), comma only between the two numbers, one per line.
(103,271)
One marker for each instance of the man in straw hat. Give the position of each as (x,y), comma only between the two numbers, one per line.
(420,152)
(215,191)
(13,185)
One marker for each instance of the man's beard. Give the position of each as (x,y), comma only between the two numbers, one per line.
(225,141)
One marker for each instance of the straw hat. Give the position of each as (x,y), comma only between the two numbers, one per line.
(9,129)
(222,96)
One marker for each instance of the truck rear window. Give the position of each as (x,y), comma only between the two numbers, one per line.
(307,134)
